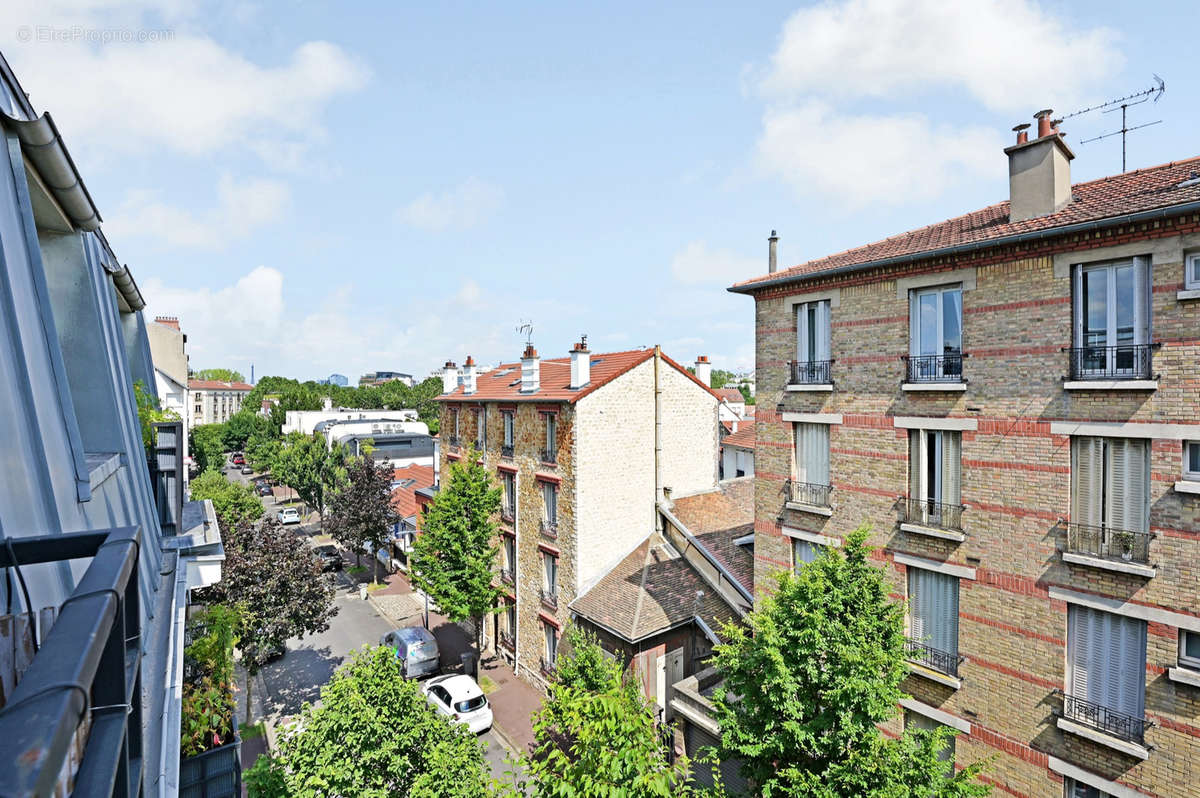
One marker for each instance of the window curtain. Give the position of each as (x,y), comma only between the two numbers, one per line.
(803,553)
(812,448)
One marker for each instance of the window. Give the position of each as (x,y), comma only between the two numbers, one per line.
(510,556)
(811,460)
(550,505)
(803,552)
(510,618)
(481,429)
(1191,460)
(812,343)
(1106,669)
(551,422)
(1191,274)
(1077,789)
(1189,650)
(509,508)
(935,334)
(915,720)
(1112,304)
(507,415)
(935,477)
(456,431)
(550,650)
(933,619)
(549,575)
(1110,480)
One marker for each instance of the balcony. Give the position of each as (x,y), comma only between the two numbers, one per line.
(549,599)
(508,641)
(809,497)
(549,529)
(933,658)
(931,518)
(1129,366)
(1110,548)
(934,372)
(506,576)
(547,667)
(508,513)
(1110,722)
(506,451)
(549,456)
(810,375)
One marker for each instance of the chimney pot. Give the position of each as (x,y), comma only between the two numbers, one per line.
(1022,131)
(1043,122)
(772,252)
(704,370)
(531,373)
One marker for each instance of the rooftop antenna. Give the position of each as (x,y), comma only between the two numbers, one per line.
(527,328)
(1123,103)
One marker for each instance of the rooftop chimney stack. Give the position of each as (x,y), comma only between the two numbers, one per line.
(1039,171)
(468,375)
(531,373)
(704,370)
(449,377)
(581,364)
(772,252)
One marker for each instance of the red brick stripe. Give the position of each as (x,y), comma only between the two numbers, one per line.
(1028,303)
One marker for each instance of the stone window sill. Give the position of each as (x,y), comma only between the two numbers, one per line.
(1117,744)
(1184,676)
(1187,486)
(953,682)
(1191,293)
(1110,385)
(1120,566)
(934,386)
(932,532)
(810,508)
(825,387)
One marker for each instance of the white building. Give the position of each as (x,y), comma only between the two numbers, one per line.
(213,401)
(306,421)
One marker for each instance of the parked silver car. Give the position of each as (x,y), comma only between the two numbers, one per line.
(416,648)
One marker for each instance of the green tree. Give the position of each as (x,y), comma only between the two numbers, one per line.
(720,378)
(220,375)
(744,389)
(595,734)
(374,735)
(311,468)
(149,413)
(240,426)
(454,557)
(234,502)
(362,515)
(206,442)
(262,451)
(816,667)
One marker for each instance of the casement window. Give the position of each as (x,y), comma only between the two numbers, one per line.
(1106,667)
(1189,650)
(935,333)
(1077,789)
(812,332)
(510,554)
(507,415)
(803,552)
(934,476)
(549,574)
(1191,460)
(1111,310)
(1191,271)
(481,428)
(509,482)
(510,618)
(933,617)
(550,645)
(915,720)
(550,420)
(550,505)
(1110,479)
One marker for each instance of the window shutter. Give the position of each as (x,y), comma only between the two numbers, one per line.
(1141,303)
(1127,484)
(933,609)
(816,453)
(823,333)
(915,467)
(1087,480)
(798,470)
(1078,303)
(1107,656)
(951,468)
(918,629)
(1079,636)
(802,332)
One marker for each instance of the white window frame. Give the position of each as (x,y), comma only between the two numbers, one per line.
(1191,270)
(1074,789)
(550,573)
(510,618)
(813,331)
(1111,493)
(915,574)
(510,425)
(508,481)
(925,444)
(1188,473)
(551,432)
(509,548)
(550,643)
(1192,663)
(914,321)
(801,441)
(798,543)
(550,503)
(481,428)
(1141,307)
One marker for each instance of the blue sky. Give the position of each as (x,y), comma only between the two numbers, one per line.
(316,187)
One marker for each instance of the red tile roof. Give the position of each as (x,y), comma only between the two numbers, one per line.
(405,499)
(732,395)
(1108,198)
(743,438)
(719,517)
(217,385)
(503,383)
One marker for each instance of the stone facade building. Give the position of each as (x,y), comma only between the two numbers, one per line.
(1010,399)
(572,441)
(213,401)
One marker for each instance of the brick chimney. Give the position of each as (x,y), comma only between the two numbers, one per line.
(531,372)
(704,370)
(772,252)
(1039,171)
(468,375)
(449,377)
(581,364)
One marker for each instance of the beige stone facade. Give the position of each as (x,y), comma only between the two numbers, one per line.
(1016,419)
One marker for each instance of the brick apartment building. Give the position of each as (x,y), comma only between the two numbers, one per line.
(572,441)
(1010,399)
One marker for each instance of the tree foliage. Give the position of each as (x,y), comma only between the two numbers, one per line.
(362,516)
(454,557)
(149,413)
(374,735)
(262,451)
(720,378)
(806,681)
(207,445)
(220,375)
(311,468)
(234,502)
(294,395)
(240,426)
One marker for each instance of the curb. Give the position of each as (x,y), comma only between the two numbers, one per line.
(506,741)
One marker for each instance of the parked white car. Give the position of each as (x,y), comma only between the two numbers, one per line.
(288,515)
(459,698)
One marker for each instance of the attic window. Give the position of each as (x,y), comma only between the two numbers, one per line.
(504,371)
(404,483)
(596,360)
(517,381)
(1193,180)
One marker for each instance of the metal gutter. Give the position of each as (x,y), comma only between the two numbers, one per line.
(706,554)
(1034,235)
(43,145)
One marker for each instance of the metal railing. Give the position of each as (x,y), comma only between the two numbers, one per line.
(547,667)
(453,440)
(549,598)
(89,664)
(506,450)
(549,529)
(506,576)
(809,372)
(927,512)
(507,513)
(808,493)
(932,658)
(549,456)
(1109,543)
(1124,362)
(1110,721)
(508,641)
(946,367)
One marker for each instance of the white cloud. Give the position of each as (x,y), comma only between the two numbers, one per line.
(860,160)
(179,89)
(696,263)
(463,206)
(242,207)
(1010,55)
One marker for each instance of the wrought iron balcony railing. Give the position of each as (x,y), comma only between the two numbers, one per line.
(549,528)
(549,456)
(932,658)
(927,512)
(549,598)
(453,440)
(508,641)
(506,450)
(506,576)
(809,493)
(1102,718)
(1124,362)
(1109,543)
(508,513)
(548,667)
(810,372)
(946,367)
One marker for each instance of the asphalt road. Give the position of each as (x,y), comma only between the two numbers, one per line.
(309,662)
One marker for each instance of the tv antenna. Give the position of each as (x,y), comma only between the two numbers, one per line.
(527,328)
(1123,103)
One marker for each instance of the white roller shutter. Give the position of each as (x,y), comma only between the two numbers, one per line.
(1087,481)
(933,609)
(1127,484)
(1107,658)
(915,466)
(951,468)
